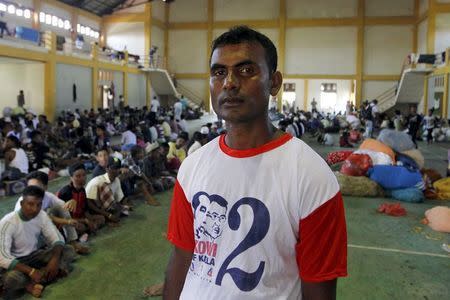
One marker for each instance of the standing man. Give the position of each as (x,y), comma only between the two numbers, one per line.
(178,109)
(413,120)
(20,99)
(265,226)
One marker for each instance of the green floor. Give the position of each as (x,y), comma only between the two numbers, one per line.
(389,258)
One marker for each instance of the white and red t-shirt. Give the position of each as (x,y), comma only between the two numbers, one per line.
(257,220)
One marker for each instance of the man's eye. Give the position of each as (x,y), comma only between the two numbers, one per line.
(202,209)
(218,72)
(246,70)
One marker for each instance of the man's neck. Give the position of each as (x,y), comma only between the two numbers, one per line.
(242,136)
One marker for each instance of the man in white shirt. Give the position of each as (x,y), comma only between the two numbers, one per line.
(23,264)
(178,109)
(155,106)
(105,194)
(256,213)
(129,139)
(57,209)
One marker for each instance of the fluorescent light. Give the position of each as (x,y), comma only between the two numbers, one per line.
(55,21)
(19,12)
(27,14)
(67,24)
(60,23)
(96,35)
(82,30)
(48,19)
(42,17)
(11,9)
(88,31)
(2,7)
(78,28)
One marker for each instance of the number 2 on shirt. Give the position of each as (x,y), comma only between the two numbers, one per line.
(261,221)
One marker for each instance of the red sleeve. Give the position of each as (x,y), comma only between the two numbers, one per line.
(180,231)
(322,246)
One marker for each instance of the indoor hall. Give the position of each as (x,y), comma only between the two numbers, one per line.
(129,86)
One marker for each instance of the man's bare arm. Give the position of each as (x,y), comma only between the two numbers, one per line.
(176,271)
(325,290)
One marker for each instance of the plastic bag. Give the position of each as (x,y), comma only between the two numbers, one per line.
(356,165)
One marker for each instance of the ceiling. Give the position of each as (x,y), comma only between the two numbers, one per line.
(97,7)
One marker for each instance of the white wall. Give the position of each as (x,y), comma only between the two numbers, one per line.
(299,91)
(378,8)
(225,10)
(26,77)
(188,11)
(343,91)
(321,50)
(372,89)
(187,51)
(296,9)
(442,38)
(66,77)
(131,35)
(422,37)
(385,48)
(196,86)
(136,90)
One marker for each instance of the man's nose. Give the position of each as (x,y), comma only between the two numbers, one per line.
(231,81)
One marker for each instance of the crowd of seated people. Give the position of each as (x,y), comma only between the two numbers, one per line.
(354,124)
(131,153)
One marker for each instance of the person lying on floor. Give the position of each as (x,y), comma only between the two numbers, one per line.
(105,195)
(74,191)
(22,263)
(57,210)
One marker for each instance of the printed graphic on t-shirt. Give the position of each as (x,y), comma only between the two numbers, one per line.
(212,217)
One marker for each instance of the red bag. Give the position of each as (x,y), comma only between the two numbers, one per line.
(356,165)
(338,156)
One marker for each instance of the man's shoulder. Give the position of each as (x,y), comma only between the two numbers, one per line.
(8,218)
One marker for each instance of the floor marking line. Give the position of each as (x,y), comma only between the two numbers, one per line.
(399,251)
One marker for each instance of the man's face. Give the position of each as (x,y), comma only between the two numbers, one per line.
(180,142)
(37,138)
(79,178)
(113,173)
(36,182)
(240,82)
(102,158)
(31,206)
(214,218)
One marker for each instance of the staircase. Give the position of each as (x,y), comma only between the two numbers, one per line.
(409,90)
(163,85)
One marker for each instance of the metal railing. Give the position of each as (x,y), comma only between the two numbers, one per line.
(190,95)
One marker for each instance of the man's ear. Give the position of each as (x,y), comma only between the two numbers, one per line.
(277,81)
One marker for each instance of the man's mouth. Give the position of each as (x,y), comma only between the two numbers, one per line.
(232,101)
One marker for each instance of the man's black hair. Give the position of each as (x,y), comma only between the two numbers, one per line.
(15,141)
(75,167)
(34,133)
(135,150)
(33,191)
(244,34)
(38,175)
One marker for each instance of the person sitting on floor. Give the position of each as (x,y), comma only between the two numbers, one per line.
(105,194)
(75,191)
(155,168)
(135,163)
(58,211)
(15,156)
(24,265)
(177,153)
(102,161)
(344,140)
